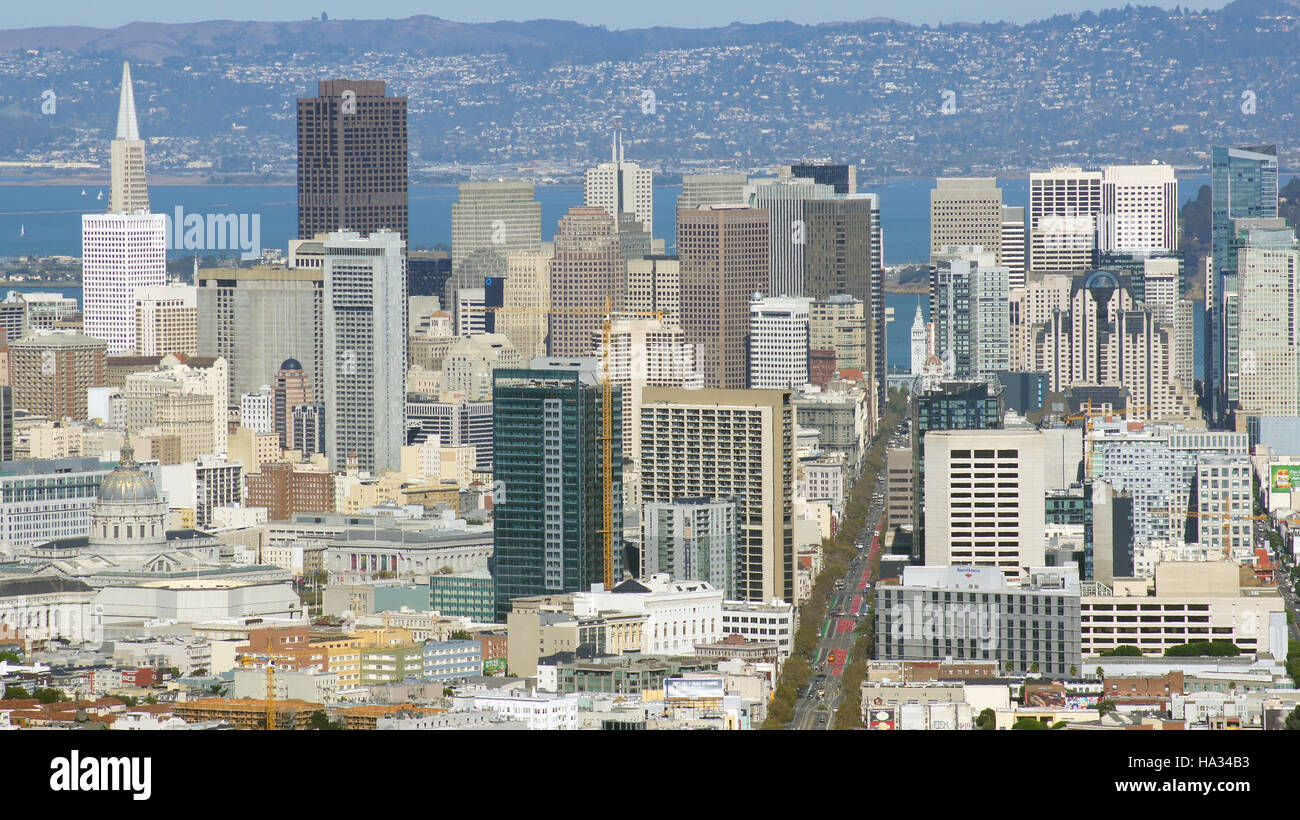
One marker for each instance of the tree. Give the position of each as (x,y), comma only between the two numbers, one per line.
(1292,722)
(1125,651)
(1198,649)
(461,635)
(151,700)
(17,693)
(320,720)
(1105,707)
(987,720)
(47,695)
(1028,723)
(10,657)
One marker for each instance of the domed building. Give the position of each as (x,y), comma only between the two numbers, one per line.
(141,571)
(130,516)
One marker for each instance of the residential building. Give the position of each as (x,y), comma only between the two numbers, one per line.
(724,444)
(166,320)
(692,539)
(51,371)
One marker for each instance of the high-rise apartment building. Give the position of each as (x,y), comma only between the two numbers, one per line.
(308,429)
(692,539)
(722,444)
(166,320)
(1065,206)
(1139,208)
(778,342)
(970,308)
(352,160)
(548,467)
(365,349)
(965,211)
(588,277)
(51,371)
(723,254)
(1162,292)
(645,352)
(619,187)
(257,317)
(257,410)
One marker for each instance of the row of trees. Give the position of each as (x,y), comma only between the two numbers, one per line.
(837,556)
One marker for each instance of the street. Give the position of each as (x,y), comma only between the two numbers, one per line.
(816,706)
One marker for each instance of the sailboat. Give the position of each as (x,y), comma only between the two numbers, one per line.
(101,194)
(83,191)
(22,230)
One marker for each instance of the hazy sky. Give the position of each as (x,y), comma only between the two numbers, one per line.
(612,13)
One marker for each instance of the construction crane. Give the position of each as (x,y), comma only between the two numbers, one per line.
(607,408)
(1087,416)
(250,662)
(1227,517)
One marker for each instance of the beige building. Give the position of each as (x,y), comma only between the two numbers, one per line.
(965,211)
(723,444)
(588,277)
(839,323)
(166,320)
(527,298)
(1186,601)
(181,400)
(654,285)
(253,448)
(724,262)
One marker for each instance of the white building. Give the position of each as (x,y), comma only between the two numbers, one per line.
(257,410)
(1139,208)
(621,187)
(538,711)
(1064,208)
(778,342)
(920,339)
(984,503)
(771,621)
(679,614)
(365,349)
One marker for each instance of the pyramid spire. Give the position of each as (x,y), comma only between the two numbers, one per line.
(128,124)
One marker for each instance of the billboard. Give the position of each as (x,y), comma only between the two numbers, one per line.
(878,718)
(1283,477)
(491,666)
(693,688)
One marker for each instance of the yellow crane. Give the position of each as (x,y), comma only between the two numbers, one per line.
(607,409)
(251,661)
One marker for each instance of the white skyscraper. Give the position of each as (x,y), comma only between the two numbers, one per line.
(1139,208)
(1064,208)
(787,234)
(257,410)
(919,347)
(778,342)
(125,249)
(621,187)
(365,349)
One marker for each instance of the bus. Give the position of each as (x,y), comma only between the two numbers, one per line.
(830,658)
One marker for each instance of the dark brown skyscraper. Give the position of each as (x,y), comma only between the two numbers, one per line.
(352,159)
(724,262)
